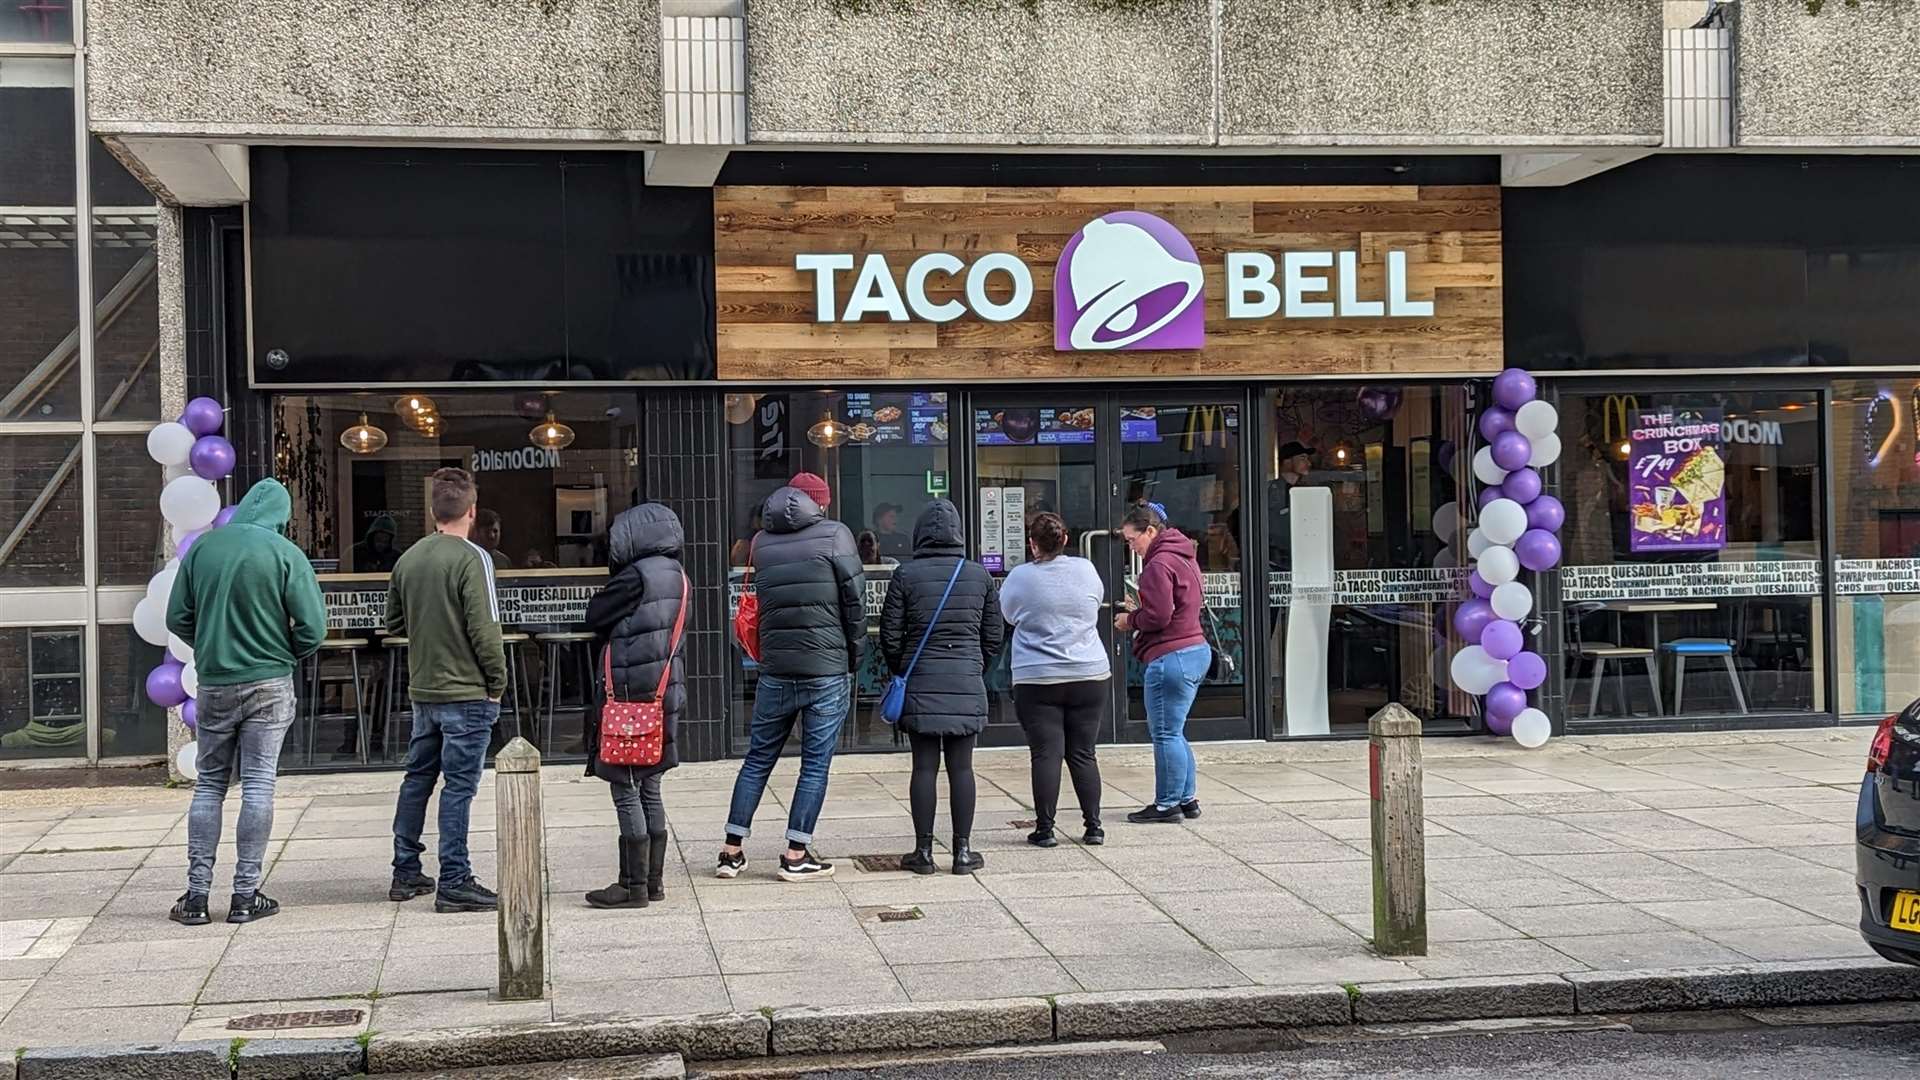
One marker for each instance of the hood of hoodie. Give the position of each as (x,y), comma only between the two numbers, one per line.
(266,504)
(789,510)
(642,531)
(938,528)
(1171,541)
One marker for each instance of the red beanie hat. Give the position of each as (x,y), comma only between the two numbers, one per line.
(813,487)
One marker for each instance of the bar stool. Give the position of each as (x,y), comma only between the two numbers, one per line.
(510,643)
(1682,648)
(396,694)
(571,646)
(318,680)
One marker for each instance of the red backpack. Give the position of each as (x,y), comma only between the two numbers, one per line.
(746,617)
(635,732)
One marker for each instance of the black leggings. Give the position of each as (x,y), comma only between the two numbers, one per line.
(927,750)
(1063,721)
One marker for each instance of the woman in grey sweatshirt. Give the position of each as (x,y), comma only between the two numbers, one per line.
(1060,672)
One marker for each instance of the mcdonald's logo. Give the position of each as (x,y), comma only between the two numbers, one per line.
(1203,423)
(1616,421)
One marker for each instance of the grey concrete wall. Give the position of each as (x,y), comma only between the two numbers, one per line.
(967,71)
(556,70)
(1442,72)
(1848,76)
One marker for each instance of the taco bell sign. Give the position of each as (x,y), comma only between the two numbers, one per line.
(1125,280)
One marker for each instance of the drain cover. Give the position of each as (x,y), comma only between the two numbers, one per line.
(317,1018)
(908,915)
(877,864)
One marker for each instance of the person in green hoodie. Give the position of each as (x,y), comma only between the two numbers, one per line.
(441,599)
(247,601)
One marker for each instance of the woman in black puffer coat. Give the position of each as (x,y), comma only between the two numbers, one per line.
(946,705)
(633,616)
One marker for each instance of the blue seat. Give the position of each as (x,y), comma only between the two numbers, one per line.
(1681,648)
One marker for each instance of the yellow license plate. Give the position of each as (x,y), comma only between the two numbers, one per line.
(1906,911)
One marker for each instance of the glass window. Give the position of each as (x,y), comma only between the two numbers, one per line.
(883,454)
(42,710)
(37,21)
(1876,528)
(39,309)
(131,724)
(126,293)
(1693,561)
(41,510)
(132,536)
(1384,455)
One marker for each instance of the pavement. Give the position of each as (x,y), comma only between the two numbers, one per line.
(1600,853)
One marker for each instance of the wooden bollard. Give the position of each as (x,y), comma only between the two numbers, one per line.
(1399,833)
(523,872)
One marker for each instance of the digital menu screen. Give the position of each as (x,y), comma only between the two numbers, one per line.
(1057,426)
(917,419)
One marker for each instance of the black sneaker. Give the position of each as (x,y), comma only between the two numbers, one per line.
(804,868)
(1042,838)
(407,886)
(251,907)
(469,895)
(1190,809)
(1150,814)
(731,866)
(1094,837)
(191,910)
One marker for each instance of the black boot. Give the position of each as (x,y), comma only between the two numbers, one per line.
(622,893)
(656,868)
(921,859)
(965,859)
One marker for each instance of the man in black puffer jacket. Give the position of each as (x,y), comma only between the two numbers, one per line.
(813,626)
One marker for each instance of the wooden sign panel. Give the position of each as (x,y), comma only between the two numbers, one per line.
(1358,250)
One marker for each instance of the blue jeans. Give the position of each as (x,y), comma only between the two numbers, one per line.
(821,705)
(240,727)
(450,740)
(1170,684)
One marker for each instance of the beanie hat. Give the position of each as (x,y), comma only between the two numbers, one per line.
(813,487)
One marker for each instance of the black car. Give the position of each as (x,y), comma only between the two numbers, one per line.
(1888,828)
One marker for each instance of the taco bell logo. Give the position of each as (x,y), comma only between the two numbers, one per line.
(1128,280)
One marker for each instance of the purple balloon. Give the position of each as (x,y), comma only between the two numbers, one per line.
(190,714)
(211,457)
(186,542)
(1502,639)
(1506,701)
(1547,513)
(1495,422)
(1522,485)
(163,685)
(1511,450)
(1471,618)
(224,516)
(1379,402)
(1443,456)
(1526,670)
(203,416)
(1513,388)
(1499,725)
(1481,587)
(1488,494)
(1538,550)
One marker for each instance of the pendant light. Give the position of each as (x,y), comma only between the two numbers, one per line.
(828,433)
(428,425)
(551,434)
(363,437)
(414,409)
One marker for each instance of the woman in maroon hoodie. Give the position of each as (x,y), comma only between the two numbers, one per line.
(1167,640)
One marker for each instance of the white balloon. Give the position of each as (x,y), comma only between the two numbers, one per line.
(170,443)
(1536,420)
(150,621)
(1499,565)
(1473,670)
(1546,449)
(1485,469)
(181,651)
(1446,522)
(174,472)
(160,591)
(1503,520)
(189,503)
(190,680)
(1477,542)
(186,759)
(1512,601)
(1446,558)
(1532,729)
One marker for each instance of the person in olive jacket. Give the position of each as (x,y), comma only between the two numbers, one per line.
(946,702)
(632,617)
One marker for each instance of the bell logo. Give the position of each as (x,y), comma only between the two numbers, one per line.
(1128,280)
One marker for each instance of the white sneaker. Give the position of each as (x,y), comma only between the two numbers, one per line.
(804,868)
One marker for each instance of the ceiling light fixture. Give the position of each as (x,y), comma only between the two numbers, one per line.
(551,434)
(363,437)
(828,433)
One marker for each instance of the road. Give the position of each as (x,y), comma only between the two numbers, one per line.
(1697,1047)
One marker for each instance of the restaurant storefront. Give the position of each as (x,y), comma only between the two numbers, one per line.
(1053,336)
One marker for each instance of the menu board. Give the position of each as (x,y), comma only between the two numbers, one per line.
(991,524)
(1065,426)
(916,419)
(1678,481)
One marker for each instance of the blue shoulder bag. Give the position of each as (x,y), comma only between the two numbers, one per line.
(895,701)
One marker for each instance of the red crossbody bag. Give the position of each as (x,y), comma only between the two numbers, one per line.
(635,732)
(746,617)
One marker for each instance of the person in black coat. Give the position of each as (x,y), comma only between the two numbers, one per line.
(946,702)
(632,618)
